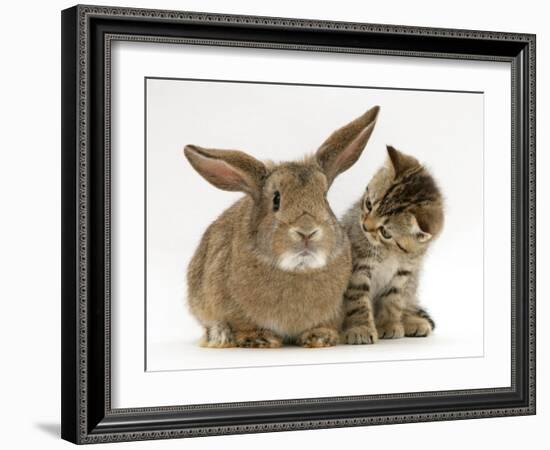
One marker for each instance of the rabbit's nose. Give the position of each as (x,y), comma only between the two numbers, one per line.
(307,236)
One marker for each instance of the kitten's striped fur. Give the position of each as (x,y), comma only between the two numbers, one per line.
(390,229)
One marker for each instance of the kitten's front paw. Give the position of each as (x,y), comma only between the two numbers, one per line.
(391,330)
(417,327)
(318,337)
(361,334)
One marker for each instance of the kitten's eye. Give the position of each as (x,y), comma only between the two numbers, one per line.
(368,204)
(384,233)
(276,201)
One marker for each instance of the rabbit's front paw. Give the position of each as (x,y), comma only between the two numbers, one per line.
(218,335)
(257,339)
(318,337)
(360,334)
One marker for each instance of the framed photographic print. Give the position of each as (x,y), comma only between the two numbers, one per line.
(279,224)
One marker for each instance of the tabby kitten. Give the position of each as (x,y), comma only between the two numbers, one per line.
(390,229)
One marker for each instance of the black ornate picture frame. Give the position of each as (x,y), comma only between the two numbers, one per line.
(87,34)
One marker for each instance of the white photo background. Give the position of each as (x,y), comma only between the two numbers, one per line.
(443,129)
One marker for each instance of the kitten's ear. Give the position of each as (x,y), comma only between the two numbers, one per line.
(427,222)
(423,236)
(418,232)
(344,147)
(400,162)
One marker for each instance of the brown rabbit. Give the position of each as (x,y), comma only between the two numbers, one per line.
(274,266)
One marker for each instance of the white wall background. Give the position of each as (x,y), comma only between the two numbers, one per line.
(30,229)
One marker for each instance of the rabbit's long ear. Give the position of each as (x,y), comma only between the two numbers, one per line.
(344,147)
(230,170)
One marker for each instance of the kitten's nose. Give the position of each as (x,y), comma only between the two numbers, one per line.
(368,224)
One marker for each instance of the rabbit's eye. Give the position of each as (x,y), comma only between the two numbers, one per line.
(276,201)
(384,233)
